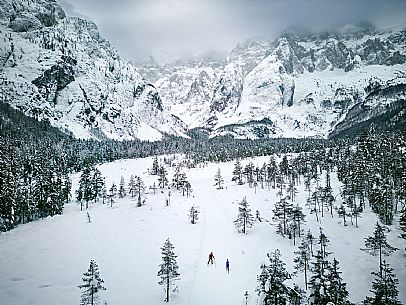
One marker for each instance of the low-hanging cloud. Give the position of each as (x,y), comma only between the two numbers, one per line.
(171,29)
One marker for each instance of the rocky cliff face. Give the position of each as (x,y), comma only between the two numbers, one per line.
(59,68)
(299,85)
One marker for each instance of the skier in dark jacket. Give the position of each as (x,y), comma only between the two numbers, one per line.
(211,258)
(227,266)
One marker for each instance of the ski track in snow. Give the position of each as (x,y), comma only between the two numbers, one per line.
(42,262)
(211,285)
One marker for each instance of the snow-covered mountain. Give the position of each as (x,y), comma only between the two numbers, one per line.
(299,85)
(60,68)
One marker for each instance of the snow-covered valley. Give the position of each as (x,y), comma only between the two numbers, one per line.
(43,261)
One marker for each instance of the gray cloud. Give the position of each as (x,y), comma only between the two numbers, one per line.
(170,29)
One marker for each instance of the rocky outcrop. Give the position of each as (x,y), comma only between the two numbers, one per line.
(304,83)
(62,69)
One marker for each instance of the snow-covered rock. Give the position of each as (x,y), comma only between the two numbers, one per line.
(61,69)
(299,85)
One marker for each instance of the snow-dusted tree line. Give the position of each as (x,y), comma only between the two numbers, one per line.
(36,160)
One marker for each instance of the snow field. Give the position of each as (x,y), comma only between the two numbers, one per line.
(43,261)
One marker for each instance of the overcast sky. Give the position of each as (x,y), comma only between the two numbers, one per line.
(172,29)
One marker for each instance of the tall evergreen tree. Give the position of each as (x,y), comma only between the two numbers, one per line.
(318,281)
(342,213)
(85,191)
(336,290)
(272,287)
(218,180)
(162,177)
(121,190)
(298,218)
(112,193)
(177,178)
(302,259)
(402,223)
(140,190)
(97,181)
(168,270)
(249,173)
(323,241)
(384,287)
(155,166)
(377,244)
(103,193)
(283,214)
(131,186)
(92,285)
(193,214)
(310,240)
(272,170)
(187,188)
(237,173)
(245,219)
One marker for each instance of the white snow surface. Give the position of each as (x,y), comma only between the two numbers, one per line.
(43,261)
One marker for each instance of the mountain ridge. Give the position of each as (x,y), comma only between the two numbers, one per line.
(301,84)
(304,83)
(60,68)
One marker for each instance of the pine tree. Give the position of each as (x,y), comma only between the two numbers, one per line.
(237,173)
(318,281)
(384,287)
(302,259)
(402,223)
(103,193)
(121,190)
(249,173)
(327,194)
(377,244)
(283,214)
(193,214)
(336,290)
(342,213)
(85,191)
(168,270)
(187,189)
(323,241)
(245,219)
(67,187)
(262,175)
(92,285)
(271,172)
(298,219)
(98,181)
(272,287)
(140,190)
(112,193)
(218,180)
(292,190)
(155,166)
(177,178)
(162,179)
(131,186)
(310,240)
